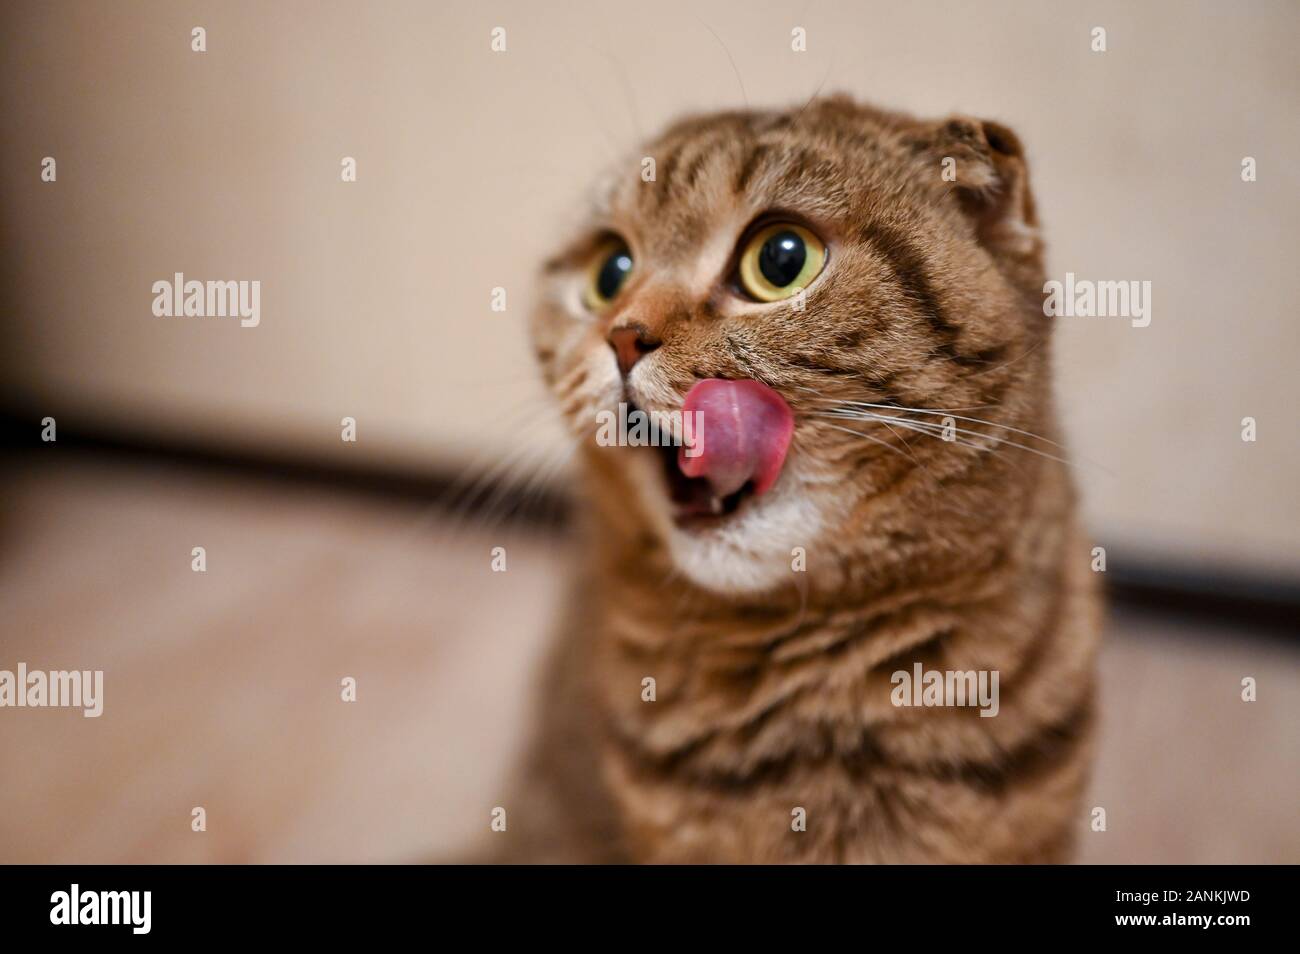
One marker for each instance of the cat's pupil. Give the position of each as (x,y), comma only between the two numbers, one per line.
(782,257)
(611,275)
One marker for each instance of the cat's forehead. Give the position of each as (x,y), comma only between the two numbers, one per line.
(674,189)
(714,173)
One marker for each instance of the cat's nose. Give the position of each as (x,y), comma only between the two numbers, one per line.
(630,342)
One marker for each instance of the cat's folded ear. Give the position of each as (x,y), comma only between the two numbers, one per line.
(985,163)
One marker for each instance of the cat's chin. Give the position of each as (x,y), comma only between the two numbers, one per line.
(759,547)
(754,543)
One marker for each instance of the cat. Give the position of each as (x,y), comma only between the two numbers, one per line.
(853,299)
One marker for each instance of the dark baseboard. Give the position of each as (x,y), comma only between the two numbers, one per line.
(1204,592)
(464,491)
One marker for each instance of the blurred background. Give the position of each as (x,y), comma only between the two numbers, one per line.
(370,559)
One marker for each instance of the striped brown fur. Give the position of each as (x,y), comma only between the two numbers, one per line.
(773,686)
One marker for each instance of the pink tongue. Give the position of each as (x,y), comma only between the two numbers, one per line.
(743,433)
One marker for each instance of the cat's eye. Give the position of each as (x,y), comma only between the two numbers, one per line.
(779,261)
(609,270)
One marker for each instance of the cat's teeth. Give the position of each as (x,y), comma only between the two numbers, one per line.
(715,504)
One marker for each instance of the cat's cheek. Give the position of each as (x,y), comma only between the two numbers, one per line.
(587,391)
(645,473)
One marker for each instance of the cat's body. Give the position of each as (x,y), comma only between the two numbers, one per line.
(772,632)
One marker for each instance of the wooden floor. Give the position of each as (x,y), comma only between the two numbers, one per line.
(223,688)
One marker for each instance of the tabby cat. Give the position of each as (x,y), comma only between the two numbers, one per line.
(852,299)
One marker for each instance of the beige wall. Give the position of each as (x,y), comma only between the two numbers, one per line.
(225,165)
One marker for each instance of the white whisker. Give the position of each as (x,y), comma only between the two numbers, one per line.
(937,430)
(948,413)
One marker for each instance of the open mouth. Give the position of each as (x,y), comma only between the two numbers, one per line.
(695,502)
(739,434)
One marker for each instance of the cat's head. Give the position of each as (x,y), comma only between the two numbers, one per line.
(851,262)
